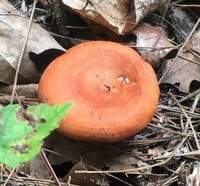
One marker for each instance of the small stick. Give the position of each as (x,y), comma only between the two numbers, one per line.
(22,52)
(50,167)
(9,177)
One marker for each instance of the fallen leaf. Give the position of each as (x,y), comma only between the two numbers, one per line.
(124,162)
(194,42)
(186,68)
(58,143)
(13,29)
(156,152)
(121,16)
(75,150)
(29,91)
(185,170)
(22,133)
(27,94)
(182,72)
(83,179)
(193,179)
(38,168)
(94,154)
(183,22)
(152,43)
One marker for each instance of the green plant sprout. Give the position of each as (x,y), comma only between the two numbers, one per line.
(22,132)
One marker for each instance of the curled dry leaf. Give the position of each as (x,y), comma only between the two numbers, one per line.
(152,43)
(13,29)
(121,16)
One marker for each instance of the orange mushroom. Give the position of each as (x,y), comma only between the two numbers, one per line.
(115,92)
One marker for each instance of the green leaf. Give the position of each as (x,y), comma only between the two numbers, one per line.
(22,132)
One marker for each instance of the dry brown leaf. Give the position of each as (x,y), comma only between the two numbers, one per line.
(29,91)
(183,21)
(94,154)
(186,68)
(194,42)
(124,162)
(193,179)
(152,43)
(91,153)
(25,93)
(13,28)
(156,151)
(38,168)
(83,179)
(121,16)
(183,72)
(59,144)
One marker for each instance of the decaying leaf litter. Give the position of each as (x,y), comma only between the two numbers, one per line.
(167,151)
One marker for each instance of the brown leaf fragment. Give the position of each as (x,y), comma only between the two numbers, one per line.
(29,91)
(58,143)
(25,93)
(194,178)
(121,16)
(184,171)
(36,168)
(183,22)
(91,153)
(183,71)
(156,151)
(39,169)
(13,29)
(125,161)
(152,43)
(194,42)
(83,179)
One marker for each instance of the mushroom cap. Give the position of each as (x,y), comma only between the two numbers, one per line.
(115,92)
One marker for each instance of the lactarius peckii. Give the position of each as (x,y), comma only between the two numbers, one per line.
(115,92)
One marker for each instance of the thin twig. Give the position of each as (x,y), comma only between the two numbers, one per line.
(9,176)
(22,52)
(72,159)
(169,130)
(50,167)
(176,110)
(139,168)
(188,121)
(187,97)
(187,5)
